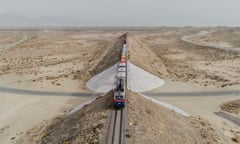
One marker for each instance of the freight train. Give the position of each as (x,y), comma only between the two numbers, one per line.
(121,77)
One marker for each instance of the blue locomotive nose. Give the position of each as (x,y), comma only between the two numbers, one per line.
(119,104)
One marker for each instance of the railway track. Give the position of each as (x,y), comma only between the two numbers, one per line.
(118,120)
(118,125)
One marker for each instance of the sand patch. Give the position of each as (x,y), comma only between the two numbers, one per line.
(19,113)
(85,126)
(231,107)
(151,123)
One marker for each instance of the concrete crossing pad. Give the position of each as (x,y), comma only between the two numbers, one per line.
(139,80)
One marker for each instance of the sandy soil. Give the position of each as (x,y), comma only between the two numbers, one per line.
(201,102)
(9,37)
(231,107)
(165,55)
(151,123)
(19,113)
(89,125)
(187,69)
(229,36)
(205,39)
(63,61)
(48,61)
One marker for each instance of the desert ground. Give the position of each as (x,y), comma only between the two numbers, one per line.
(43,77)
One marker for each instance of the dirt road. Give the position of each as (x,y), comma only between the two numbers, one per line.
(195,40)
(10,45)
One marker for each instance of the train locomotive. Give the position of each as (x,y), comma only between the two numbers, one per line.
(121,78)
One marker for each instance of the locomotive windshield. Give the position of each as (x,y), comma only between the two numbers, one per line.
(119,97)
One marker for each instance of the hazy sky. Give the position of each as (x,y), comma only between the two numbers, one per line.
(120,12)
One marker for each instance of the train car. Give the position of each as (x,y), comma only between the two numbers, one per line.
(125,41)
(119,92)
(119,99)
(123,61)
(124,45)
(123,56)
(124,48)
(125,36)
(120,85)
(122,64)
(124,51)
(121,75)
(121,69)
